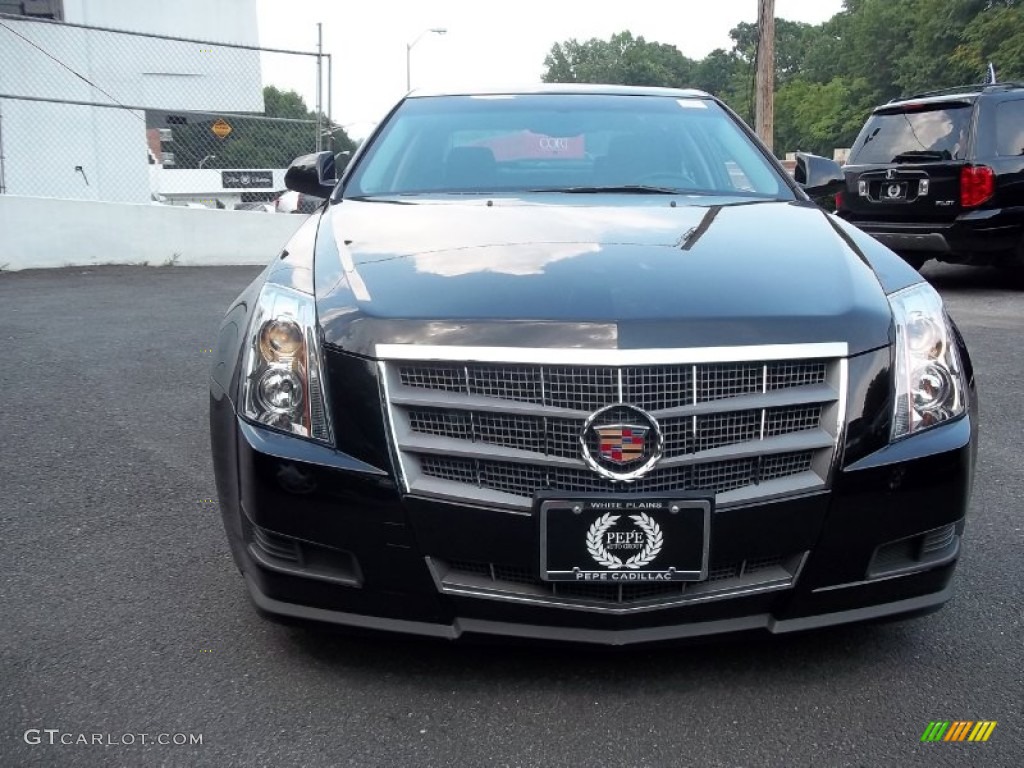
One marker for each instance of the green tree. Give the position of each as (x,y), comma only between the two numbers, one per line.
(793,39)
(621,60)
(828,76)
(719,71)
(994,36)
(726,75)
(818,117)
(627,60)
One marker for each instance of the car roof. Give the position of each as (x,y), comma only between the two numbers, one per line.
(968,93)
(910,101)
(592,89)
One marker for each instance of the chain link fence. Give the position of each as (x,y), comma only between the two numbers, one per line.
(104,114)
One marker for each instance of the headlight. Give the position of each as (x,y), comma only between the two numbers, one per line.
(929,383)
(283,384)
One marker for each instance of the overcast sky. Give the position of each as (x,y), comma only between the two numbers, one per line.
(487,43)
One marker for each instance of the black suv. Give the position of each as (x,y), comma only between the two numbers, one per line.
(941,176)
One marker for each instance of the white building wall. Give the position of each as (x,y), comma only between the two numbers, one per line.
(42,232)
(43,142)
(228,20)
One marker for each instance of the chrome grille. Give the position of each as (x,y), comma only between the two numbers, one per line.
(504,382)
(456,470)
(499,432)
(580,389)
(795,374)
(659,387)
(720,429)
(783,421)
(715,382)
(526,479)
(561,437)
(447,378)
(785,464)
(721,476)
(456,424)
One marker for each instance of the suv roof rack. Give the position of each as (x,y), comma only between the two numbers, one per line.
(960,89)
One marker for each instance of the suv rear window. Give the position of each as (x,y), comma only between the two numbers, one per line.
(1010,128)
(914,134)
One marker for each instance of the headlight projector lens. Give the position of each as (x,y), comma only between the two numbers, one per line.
(280,390)
(931,388)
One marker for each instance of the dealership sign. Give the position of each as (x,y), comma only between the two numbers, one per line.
(247,179)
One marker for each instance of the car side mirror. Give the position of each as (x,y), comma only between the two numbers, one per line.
(314,175)
(819,176)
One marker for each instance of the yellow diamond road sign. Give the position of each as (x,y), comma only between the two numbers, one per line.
(221,128)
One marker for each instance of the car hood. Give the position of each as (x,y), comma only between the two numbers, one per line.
(622,273)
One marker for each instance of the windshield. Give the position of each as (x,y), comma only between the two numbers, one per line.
(914,135)
(563,143)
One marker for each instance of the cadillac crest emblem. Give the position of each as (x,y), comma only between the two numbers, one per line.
(622,443)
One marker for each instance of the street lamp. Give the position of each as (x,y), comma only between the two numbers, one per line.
(408,53)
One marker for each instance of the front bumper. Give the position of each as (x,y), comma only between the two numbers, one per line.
(971,236)
(324,537)
(613,637)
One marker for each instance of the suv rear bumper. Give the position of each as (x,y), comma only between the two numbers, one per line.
(985,233)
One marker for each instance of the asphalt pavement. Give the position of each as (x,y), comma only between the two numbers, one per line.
(122,614)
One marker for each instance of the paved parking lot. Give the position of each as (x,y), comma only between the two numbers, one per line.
(121,612)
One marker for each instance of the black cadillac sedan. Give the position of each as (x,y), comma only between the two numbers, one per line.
(584,363)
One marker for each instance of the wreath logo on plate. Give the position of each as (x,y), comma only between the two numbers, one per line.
(648,551)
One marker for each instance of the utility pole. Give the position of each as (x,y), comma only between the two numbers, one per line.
(764,107)
(319,85)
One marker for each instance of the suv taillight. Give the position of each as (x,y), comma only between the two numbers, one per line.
(977,184)
(839,200)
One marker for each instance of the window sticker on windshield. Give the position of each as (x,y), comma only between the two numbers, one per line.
(692,104)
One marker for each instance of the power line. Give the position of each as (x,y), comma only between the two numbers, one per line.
(115,30)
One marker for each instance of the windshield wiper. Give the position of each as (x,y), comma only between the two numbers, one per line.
(923,154)
(629,189)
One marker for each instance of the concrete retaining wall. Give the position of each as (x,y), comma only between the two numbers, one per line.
(44,232)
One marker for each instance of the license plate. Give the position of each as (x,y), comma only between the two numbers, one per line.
(604,539)
(892,190)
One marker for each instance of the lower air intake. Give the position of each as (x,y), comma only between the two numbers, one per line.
(519,583)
